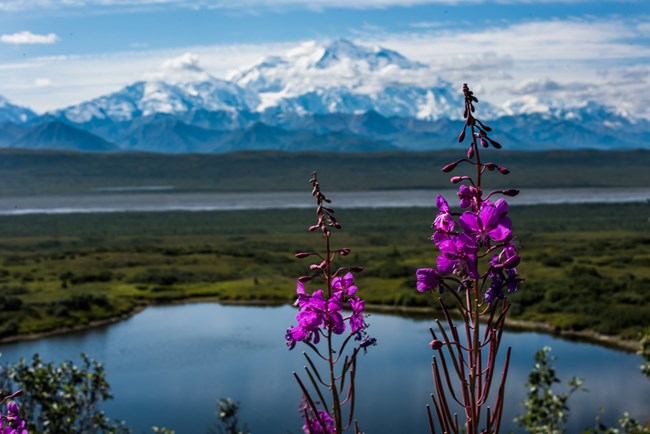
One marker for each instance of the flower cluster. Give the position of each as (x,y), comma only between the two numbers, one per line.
(313,425)
(322,318)
(318,313)
(11,423)
(485,230)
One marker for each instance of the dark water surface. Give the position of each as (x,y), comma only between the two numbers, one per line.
(169,364)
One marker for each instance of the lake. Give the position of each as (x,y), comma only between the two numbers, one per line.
(168,365)
(160,198)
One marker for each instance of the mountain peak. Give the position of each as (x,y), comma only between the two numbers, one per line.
(342,76)
(376,57)
(58,135)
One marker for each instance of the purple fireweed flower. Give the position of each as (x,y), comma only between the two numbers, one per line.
(468,196)
(501,278)
(444,222)
(13,412)
(458,255)
(491,222)
(313,426)
(512,280)
(492,294)
(318,314)
(494,291)
(11,423)
(511,258)
(303,297)
(316,301)
(357,323)
(345,284)
(17,429)
(367,342)
(310,317)
(428,279)
(507,258)
(333,318)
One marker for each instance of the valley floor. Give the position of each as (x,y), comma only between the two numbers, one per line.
(586,266)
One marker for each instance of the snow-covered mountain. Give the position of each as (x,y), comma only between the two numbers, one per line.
(371,98)
(314,78)
(143,99)
(12,113)
(342,77)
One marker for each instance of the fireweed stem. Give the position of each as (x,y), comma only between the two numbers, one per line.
(321,319)
(478,256)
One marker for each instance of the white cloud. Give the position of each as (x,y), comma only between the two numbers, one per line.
(535,41)
(427,24)
(187,61)
(180,69)
(24,38)
(546,86)
(42,82)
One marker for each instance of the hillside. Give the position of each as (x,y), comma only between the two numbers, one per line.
(34,172)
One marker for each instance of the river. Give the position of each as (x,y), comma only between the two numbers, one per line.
(163,198)
(169,364)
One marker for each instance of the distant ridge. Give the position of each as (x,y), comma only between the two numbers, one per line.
(59,136)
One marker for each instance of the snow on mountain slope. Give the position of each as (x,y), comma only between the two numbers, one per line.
(340,76)
(181,88)
(12,113)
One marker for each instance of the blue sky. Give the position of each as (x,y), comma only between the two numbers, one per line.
(56,53)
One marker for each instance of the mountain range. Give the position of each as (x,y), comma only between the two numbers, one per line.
(327,96)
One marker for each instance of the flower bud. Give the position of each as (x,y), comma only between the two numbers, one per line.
(344,252)
(301,255)
(313,228)
(470,152)
(503,170)
(491,166)
(435,344)
(356,269)
(449,167)
(304,279)
(461,136)
(512,262)
(456,179)
(484,143)
(510,192)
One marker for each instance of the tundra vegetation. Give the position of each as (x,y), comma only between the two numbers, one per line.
(586,266)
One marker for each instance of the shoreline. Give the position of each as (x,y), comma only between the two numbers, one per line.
(613,342)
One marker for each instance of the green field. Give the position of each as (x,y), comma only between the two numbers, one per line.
(587,267)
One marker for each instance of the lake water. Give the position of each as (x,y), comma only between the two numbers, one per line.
(162,198)
(169,364)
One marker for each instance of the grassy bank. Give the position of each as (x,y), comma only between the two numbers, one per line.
(586,266)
